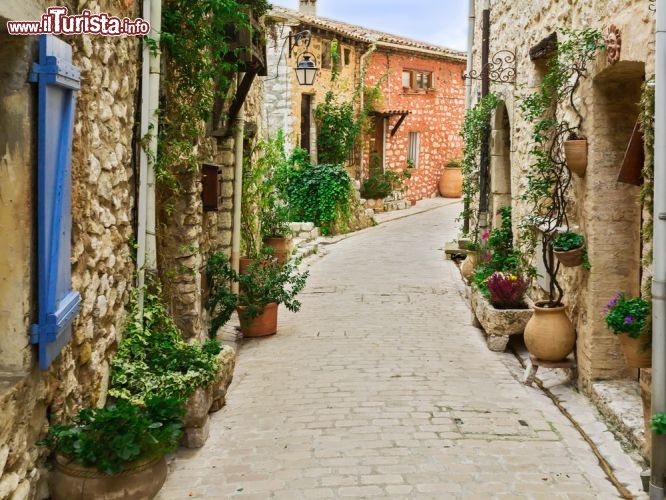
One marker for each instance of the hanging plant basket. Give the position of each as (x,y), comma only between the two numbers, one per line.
(575,154)
(570,258)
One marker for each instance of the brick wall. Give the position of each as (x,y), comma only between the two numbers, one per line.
(435,114)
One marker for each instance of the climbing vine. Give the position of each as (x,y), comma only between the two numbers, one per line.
(475,125)
(548,178)
(200,61)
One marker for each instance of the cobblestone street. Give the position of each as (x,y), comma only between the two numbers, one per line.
(380,387)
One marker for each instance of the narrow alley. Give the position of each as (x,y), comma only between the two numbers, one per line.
(380,387)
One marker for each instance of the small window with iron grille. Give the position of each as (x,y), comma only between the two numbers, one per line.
(413,152)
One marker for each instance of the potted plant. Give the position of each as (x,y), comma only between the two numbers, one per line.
(550,335)
(569,249)
(275,231)
(503,311)
(115,452)
(265,285)
(629,319)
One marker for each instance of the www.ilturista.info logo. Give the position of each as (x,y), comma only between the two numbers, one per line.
(57,22)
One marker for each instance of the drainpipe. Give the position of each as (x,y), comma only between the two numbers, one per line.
(485,139)
(470,47)
(150,85)
(658,453)
(468,87)
(239,133)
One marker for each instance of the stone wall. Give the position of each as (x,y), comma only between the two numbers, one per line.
(102,268)
(436,114)
(605,211)
(188,234)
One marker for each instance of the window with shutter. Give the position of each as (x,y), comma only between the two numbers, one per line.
(57,82)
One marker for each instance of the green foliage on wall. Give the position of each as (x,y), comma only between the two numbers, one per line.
(475,125)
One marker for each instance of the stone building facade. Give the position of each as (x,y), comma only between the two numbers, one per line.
(103,201)
(607,212)
(429,112)
(104,184)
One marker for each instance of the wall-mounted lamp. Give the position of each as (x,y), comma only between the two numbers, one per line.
(306,63)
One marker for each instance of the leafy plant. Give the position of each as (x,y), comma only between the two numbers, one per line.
(111,438)
(507,290)
(264,282)
(338,129)
(200,60)
(658,423)
(318,193)
(382,184)
(548,179)
(153,359)
(627,315)
(476,125)
(567,241)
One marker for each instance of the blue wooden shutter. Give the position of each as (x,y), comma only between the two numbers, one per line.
(57,80)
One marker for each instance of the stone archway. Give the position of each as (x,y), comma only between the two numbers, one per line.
(500,162)
(610,213)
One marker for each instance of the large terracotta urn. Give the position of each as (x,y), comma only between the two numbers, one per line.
(451,181)
(549,334)
(139,481)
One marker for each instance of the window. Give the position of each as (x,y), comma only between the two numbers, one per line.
(413,153)
(347,57)
(417,80)
(326,54)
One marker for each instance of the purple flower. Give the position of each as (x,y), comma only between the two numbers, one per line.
(629,320)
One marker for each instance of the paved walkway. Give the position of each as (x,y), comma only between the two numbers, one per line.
(380,387)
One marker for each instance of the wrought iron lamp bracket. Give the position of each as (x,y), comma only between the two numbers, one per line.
(300,39)
(501,68)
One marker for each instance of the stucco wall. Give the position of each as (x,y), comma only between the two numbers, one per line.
(436,115)
(606,212)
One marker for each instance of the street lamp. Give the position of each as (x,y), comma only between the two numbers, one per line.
(306,66)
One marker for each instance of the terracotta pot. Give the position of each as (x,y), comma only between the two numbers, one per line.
(450,183)
(281,247)
(468,265)
(575,154)
(259,326)
(570,258)
(139,481)
(635,353)
(244,263)
(549,334)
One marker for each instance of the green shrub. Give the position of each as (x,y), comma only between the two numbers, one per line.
(110,438)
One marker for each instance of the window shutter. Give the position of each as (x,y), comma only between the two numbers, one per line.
(57,80)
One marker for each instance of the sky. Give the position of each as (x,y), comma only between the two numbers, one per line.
(440,22)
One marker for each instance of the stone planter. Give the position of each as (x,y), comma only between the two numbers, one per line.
(498,324)
(205,400)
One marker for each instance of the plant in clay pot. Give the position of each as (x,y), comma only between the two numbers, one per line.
(115,452)
(569,248)
(630,320)
(265,284)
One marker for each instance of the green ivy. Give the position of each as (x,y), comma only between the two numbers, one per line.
(153,359)
(200,61)
(318,193)
(475,125)
(338,127)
